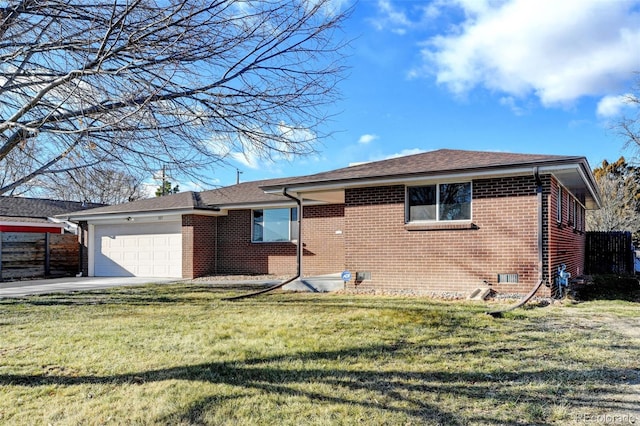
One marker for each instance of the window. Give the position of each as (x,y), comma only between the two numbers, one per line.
(559,213)
(579,217)
(574,204)
(275,225)
(442,202)
(571,210)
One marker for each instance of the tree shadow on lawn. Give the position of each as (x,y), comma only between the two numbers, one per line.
(134,295)
(398,391)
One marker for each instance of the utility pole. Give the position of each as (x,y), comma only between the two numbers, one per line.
(164,181)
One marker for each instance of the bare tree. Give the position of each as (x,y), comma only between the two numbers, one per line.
(628,127)
(619,186)
(178,82)
(101,184)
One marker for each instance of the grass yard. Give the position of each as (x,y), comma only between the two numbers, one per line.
(179,354)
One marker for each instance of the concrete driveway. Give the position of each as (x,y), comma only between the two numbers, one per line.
(60,285)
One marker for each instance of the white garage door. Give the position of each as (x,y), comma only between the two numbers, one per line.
(140,250)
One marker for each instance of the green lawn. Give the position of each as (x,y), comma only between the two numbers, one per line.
(179,354)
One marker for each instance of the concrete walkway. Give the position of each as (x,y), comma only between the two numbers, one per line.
(61,285)
(317,284)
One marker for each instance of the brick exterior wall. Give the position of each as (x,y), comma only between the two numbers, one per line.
(238,255)
(199,248)
(446,257)
(368,234)
(323,238)
(567,238)
(323,245)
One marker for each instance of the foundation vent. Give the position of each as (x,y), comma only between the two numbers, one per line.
(507,278)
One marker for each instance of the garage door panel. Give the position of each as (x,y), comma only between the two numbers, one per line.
(145,250)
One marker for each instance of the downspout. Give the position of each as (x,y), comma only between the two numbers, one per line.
(299,253)
(534,290)
(536,175)
(300,247)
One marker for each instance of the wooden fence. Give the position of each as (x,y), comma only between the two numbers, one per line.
(609,253)
(37,255)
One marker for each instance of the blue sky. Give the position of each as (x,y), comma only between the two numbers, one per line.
(528,76)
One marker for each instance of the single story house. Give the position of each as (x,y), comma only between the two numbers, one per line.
(440,221)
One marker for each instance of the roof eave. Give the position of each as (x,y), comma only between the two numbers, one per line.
(77,217)
(400,179)
(579,164)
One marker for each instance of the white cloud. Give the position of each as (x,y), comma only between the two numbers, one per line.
(610,106)
(511,103)
(298,135)
(558,51)
(404,153)
(367,138)
(401,19)
(389,16)
(247,158)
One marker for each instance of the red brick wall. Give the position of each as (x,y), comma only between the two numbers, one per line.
(502,239)
(238,255)
(323,247)
(566,240)
(198,245)
(323,238)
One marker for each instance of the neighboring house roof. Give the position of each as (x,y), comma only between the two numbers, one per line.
(573,172)
(25,209)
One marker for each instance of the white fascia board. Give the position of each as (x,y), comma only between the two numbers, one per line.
(132,219)
(576,167)
(595,194)
(145,214)
(68,226)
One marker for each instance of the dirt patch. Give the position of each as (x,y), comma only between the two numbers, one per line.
(622,401)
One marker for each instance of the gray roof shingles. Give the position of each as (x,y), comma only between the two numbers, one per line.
(38,209)
(432,162)
(243,193)
(428,163)
(179,201)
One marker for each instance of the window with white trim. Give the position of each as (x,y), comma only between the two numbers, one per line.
(439,202)
(559,211)
(570,210)
(274,225)
(579,216)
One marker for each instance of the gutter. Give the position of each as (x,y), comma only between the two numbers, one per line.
(299,253)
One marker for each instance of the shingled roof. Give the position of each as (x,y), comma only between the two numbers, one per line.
(240,194)
(37,209)
(433,163)
(429,163)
